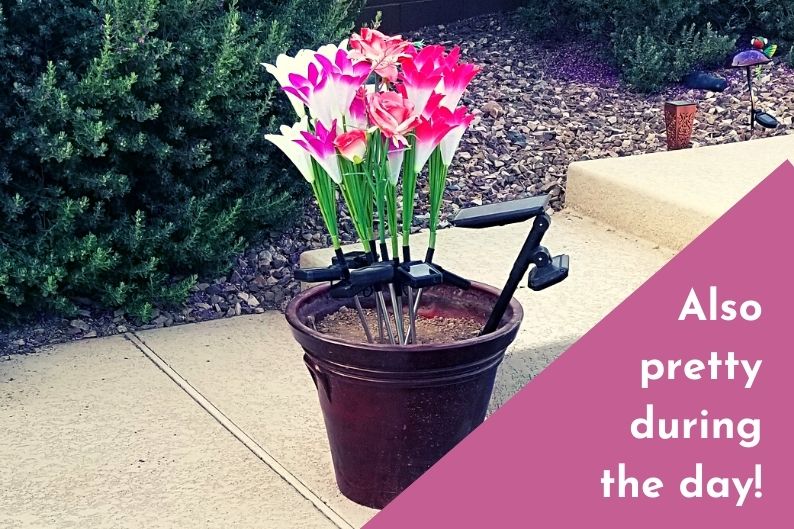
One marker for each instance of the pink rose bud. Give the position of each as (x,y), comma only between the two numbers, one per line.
(392,113)
(352,145)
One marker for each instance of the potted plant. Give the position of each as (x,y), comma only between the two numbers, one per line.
(372,114)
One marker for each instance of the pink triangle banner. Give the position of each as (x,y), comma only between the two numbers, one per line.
(674,411)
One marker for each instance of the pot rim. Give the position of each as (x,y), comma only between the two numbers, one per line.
(509,326)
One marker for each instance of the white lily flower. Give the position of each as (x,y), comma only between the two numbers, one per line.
(296,154)
(329,50)
(299,64)
(286,65)
(395,165)
(449,144)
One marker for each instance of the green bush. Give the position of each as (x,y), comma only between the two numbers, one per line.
(131,142)
(656,58)
(655,42)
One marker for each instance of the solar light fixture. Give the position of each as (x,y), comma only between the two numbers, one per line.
(338,271)
(749,59)
(357,274)
(548,271)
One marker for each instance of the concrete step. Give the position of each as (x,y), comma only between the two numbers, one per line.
(670,197)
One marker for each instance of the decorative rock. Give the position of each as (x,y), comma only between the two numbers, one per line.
(80,325)
(492,108)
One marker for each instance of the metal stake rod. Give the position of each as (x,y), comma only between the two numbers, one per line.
(342,260)
(411,317)
(362,318)
(398,317)
(752,100)
(400,308)
(380,302)
(385,314)
(428,260)
(413,308)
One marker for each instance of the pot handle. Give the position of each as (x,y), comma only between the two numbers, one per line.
(319,378)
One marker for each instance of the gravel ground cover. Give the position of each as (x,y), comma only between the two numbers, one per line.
(539,108)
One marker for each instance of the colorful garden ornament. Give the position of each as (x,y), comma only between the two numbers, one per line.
(679,118)
(754,58)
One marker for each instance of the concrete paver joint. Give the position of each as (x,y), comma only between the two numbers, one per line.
(238,433)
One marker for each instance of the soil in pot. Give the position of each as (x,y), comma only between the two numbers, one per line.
(430,327)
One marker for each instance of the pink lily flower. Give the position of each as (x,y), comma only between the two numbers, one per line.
(357,113)
(393,114)
(434,55)
(429,133)
(421,74)
(352,145)
(379,50)
(433,102)
(322,148)
(456,78)
(459,120)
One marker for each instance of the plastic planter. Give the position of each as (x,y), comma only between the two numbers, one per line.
(391,412)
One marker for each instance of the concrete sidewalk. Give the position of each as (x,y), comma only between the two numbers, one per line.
(218,425)
(95,435)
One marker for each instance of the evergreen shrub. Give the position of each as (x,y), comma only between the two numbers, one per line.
(132,154)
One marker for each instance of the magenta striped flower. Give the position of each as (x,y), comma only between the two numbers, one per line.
(357,113)
(321,145)
(429,133)
(421,74)
(328,90)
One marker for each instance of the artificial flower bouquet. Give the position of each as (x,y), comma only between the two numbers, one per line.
(372,113)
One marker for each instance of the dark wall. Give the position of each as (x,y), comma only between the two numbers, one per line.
(404,15)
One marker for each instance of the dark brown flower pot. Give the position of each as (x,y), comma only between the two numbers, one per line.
(391,412)
(679,118)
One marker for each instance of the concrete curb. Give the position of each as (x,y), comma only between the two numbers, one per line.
(670,197)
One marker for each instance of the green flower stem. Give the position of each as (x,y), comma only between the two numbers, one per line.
(437,178)
(357,194)
(325,193)
(409,189)
(381,179)
(391,206)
